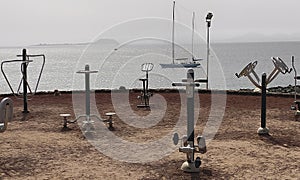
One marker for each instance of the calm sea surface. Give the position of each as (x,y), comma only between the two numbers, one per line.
(121,65)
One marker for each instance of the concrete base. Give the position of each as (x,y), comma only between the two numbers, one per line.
(263,131)
(189,167)
(88,127)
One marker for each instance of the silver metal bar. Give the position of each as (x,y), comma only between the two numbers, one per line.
(255,83)
(271,78)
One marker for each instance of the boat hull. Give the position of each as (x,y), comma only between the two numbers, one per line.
(182,65)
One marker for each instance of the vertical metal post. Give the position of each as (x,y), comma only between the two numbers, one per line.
(190,107)
(173,35)
(87,124)
(263,130)
(147,81)
(87,92)
(295,79)
(263,100)
(146,98)
(207,54)
(24,73)
(190,165)
(208,21)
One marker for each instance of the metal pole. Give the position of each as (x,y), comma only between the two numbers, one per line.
(147,81)
(146,90)
(190,108)
(295,78)
(193,32)
(87,92)
(173,35)
(24,73)
(191,165)
(263,100)
(207,53)
(208,21)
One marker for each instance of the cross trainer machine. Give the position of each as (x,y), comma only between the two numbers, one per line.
(24,65)
(145,95)
(188,145)
(279,67)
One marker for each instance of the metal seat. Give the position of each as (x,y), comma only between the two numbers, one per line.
(109,121)
(65,120)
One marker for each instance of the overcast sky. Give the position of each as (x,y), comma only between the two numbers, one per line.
(26,22)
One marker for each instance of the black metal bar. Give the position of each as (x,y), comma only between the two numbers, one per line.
(42,68)
(178,84)
(201,80)
(146,91)
(41,71)
(5,77)
(24,72)
(295,80)
(263,100)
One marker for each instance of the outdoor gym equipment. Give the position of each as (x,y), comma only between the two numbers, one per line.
(279,67)
(6,113)
(145,95)
(88,123)
(109,121)
(188,146)
(296,105)
(65,125)
(24,65)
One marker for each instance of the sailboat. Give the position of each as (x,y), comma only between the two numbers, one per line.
(182,62)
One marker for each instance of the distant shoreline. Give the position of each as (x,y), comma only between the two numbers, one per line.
(272,91)
(114,41)
(60,44)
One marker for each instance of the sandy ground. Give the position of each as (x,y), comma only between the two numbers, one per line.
(35,147)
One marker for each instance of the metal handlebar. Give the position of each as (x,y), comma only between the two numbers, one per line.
(247,70)
(185,84)
(5,77)
(280,65)
(22,71)
(146,67)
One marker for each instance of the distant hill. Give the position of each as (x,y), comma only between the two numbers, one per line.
(257,37)
(100,41)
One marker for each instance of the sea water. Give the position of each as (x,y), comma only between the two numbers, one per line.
(121,65)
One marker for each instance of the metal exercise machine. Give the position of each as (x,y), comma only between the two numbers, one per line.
(145,95)
(296,105)
(188,145)
(26,59)
(279,67)
(87,123)
(6,113)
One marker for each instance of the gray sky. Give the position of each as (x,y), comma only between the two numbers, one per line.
(26,22)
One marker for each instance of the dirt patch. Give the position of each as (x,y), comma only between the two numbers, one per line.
(34,147)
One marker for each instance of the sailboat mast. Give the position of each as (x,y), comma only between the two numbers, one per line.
(173,29)
(193,30)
